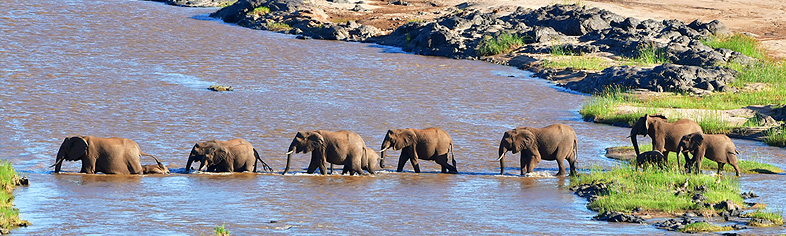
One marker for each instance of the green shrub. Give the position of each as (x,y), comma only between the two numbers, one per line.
(9,216)
(774,217)
(227,3)
(775,137)
(650,54)
(704,227)
(279,26)
(221,230)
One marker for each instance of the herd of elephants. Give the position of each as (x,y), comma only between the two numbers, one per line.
(554,142)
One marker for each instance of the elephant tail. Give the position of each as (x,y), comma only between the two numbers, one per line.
(575,150)
(265,167)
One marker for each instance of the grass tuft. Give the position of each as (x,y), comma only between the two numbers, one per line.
(577,62)
(279,26)
(775,137)
(260,11)
(704,227)
(503,43)
(774,217)
(650,54)
(227,3)
(221,230)
(741,43)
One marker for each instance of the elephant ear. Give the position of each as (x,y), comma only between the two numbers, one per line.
(696,139)
(220,154)
(525,139)
(405,138)
(315,141)
(78,148)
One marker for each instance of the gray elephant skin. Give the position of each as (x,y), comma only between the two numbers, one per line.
(665,136)
(554,142)
(425,144)
(335,147)
(235,155)
(104,155)
(158,168)
(651,158)
(716,147)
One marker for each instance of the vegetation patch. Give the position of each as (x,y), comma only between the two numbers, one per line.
(260,11)
(704,227)
(663,191)
(776,218)
(577,62)
(776,137)
(221,230)
(650,54)
(9,216)
(227,3)
(741,43)
(503,43)
(279,26)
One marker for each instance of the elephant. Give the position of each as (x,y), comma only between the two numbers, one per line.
(652,158)
(105,155)
(157,168)
(336,147)
(665,136)
(554,142)
(425,144)
(369,163)
(235,155)
(716,147)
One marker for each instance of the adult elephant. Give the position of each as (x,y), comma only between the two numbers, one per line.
(665,136)
(716,147)
(554,142)
(105,155)
(425,144)
(235,155)
(340,147)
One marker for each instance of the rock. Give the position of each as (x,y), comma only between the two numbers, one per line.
(668,77)
(613,216)
(194,3)
(359,8)
(219,88)
(714,27)
(674,224)
(728,205)
(546,34)
(698,198)
(591,192)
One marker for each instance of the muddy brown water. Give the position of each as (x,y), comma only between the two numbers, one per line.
(139,70)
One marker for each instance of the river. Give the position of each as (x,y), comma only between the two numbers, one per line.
(139,69)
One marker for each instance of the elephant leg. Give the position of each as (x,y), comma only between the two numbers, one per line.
(736,169)
(331,169)
(415,164)
(720,168)
(322,167)
(88,166)
(401,161)
(446,166)
(666,154)
(524,164)
(561,167)
(312,167)
(572,163)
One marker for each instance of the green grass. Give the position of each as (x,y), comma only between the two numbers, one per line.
(654,190)
(774,217)
(227,3)
(577,62)
(650,54)
(260,10)
(503,43)
(279,26)
(738,42)
(704,227)
(221,231)
(9,216)
(776,137)
(746,166)
(562,50)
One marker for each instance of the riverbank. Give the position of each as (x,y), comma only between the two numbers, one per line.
(670,200)
(582,48)
(9,216)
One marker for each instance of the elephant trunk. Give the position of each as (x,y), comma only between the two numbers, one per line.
(501,159)
(679,151)
(59,160)
(634,141)
(289,158)
(188,165)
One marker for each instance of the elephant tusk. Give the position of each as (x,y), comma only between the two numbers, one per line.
(290,152)
(501,156)
(58,162)
(384,149)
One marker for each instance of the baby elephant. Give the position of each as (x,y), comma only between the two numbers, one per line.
(651,158)
(157,168)
(716,147)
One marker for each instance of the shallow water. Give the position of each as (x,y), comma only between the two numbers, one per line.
(139,70)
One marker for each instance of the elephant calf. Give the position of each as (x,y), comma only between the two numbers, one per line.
(425,144)
(651,158)
(157,168)
(716,147)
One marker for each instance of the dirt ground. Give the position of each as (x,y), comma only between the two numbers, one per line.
(766,19)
